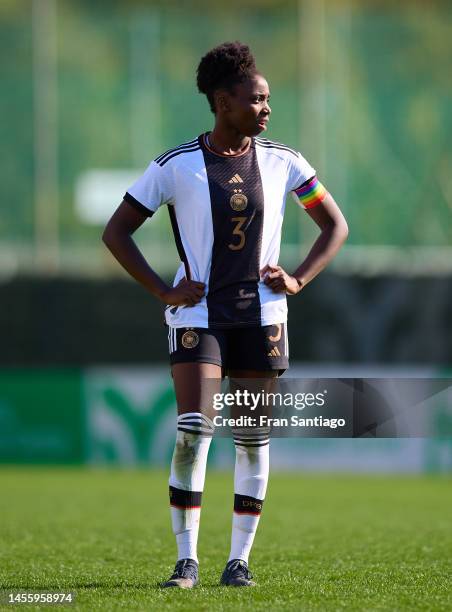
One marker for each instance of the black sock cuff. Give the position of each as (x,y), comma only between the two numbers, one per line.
(244,504)
(184,499)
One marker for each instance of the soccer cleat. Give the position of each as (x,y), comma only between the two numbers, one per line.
(185,575)
(236,573)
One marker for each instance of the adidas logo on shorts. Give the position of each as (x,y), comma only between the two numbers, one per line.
(274,352)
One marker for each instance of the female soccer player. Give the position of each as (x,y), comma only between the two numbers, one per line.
(226,312)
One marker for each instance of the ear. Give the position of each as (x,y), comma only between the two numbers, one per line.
(221,100)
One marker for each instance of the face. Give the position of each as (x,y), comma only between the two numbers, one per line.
(246,108)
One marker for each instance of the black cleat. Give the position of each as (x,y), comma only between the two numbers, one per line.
(236,573)
(185,575)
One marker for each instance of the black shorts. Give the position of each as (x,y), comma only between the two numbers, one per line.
(249,348)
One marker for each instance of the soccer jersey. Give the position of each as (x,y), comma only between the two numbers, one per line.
(226,213)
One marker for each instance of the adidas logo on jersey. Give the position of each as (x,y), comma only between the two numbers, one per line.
(274,352)
(236,179)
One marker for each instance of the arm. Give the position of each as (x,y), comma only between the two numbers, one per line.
(117,237)
(334,231)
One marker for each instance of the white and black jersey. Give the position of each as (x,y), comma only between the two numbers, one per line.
(226,213)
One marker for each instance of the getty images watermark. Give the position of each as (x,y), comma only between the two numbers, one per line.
(275,401)
(332,407)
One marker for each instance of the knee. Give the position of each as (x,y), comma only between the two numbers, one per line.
(187,447)
(251,454)
(189,461)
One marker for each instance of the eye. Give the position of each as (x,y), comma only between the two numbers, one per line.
(259,98)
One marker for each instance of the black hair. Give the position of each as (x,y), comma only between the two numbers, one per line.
(223,67)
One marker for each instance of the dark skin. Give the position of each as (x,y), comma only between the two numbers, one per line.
(239,115)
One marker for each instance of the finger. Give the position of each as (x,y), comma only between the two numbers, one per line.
(197,284)
(278,289)
(194,297)
(276,284)
(273,277)
(268,268)
(196,292)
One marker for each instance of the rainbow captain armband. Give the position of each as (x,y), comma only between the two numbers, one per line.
(310,193)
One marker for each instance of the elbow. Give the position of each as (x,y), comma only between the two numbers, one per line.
(107,237)
(344,230)
(337,229)
(341,228)
(113,237)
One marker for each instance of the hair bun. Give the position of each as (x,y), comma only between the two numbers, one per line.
(224,66)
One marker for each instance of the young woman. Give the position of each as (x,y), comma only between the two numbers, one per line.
(226,312)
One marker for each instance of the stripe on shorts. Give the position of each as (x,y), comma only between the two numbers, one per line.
(172,339)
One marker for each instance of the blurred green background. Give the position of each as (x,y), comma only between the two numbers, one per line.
(362,89)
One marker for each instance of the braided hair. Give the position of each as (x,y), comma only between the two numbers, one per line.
(224,66)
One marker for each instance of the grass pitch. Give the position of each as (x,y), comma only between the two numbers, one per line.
(324,543)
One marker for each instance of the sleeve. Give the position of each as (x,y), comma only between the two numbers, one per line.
(303,183)
(151,190)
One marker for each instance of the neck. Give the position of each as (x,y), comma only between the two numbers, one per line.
(227,141)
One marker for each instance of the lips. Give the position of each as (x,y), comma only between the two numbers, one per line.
(262,122)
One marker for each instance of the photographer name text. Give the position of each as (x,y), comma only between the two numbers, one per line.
(266,421)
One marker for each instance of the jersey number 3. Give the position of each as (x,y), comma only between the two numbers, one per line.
(237,231)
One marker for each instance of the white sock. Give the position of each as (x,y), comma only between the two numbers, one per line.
(186,482)
(250,485)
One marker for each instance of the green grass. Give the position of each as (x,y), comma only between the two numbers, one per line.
(324,543)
